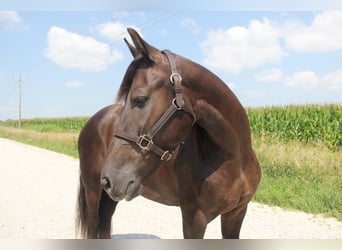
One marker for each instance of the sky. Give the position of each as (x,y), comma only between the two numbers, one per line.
(71,63)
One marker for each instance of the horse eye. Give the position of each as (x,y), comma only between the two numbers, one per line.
(140,101)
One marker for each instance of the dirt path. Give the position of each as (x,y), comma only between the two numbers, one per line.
(38,191)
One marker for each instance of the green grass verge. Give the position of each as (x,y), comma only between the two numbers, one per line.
(297,176)
(65,143)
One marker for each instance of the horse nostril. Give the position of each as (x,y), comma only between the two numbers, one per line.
(105,183)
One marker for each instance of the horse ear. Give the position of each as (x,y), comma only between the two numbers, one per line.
(143,48)
(133,50)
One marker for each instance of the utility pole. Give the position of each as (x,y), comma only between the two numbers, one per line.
(20,83)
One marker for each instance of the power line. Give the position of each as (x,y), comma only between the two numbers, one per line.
(143,26)
(147,24)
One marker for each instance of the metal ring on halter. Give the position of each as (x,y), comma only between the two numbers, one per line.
(174,103)
(173,75)
(145,142)
(166,156)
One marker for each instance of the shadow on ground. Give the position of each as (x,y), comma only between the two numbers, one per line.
(134,236)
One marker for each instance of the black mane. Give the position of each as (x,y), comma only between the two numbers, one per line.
(127,80)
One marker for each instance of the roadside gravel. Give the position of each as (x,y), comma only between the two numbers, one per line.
(38,190)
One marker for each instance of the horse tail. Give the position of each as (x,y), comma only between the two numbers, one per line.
(81,226)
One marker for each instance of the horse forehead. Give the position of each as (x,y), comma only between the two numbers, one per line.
(142,74)
(148,77)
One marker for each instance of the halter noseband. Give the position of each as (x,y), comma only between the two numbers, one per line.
(145,141)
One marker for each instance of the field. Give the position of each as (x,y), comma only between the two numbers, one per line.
(311,124)
(299,148)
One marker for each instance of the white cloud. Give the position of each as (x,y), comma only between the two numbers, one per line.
(323,34)
(113,30)
(270,75)
(304,79)
(333,80)
(250,93)
(73,84)
(71,50)
(309,79)
(247,47)
(231,85)
(9,20)
(191,25)
(240,48)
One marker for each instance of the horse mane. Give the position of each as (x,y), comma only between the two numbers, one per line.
(127,80)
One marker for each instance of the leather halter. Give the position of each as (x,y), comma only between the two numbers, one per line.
(145,141)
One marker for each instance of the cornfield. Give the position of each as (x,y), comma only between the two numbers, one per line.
(70,124)
(313,124)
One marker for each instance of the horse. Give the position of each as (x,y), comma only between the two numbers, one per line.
(180,137)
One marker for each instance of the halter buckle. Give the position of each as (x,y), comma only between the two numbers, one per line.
(172,77)
(144,142)
(166,156)
(174,103)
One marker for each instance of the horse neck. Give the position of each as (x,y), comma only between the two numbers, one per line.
(202,84)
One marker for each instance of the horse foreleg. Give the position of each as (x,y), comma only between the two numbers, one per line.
(231,222)
(194,224)
(106,210)
(92,216)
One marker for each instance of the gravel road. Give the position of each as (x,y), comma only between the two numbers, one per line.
(38,190)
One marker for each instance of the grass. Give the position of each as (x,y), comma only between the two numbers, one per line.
(65,143)
(299,172)
(57,134)
(298,176)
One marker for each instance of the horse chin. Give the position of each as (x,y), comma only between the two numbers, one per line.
(115,197)
(133,191)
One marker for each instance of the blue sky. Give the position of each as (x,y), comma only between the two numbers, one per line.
(72,62)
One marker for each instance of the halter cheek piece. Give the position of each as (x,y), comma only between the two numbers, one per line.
(145,141)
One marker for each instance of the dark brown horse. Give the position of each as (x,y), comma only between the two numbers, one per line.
(181,138)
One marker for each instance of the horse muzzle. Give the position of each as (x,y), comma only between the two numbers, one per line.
(119,190)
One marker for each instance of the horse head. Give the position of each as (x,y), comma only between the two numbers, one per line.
(156,118)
